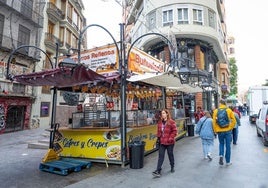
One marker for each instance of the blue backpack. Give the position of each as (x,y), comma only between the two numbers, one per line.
(222,118)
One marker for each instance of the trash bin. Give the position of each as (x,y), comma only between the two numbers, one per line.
(136,154)
(190,128)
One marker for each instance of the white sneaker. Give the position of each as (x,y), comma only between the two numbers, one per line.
(209,157)
(228,164)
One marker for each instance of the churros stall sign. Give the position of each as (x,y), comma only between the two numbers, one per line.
(140,62)
(97,58)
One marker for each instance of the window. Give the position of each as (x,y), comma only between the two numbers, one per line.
(69,13)
(232,50)
(24,38)
(68,37)
(62,34)
(44,111)
(197,17)
(167,17)
(151,20)
(211,19)
(27,8)
(18,88)
(183,17)
(75,20)
(223,78)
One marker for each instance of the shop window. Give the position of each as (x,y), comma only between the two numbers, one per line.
(44,111)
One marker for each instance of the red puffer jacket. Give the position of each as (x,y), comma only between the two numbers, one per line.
(167,136)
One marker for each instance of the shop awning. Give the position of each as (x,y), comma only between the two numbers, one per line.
(61,78)
(165,80)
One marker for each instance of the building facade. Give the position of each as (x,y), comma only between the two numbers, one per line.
(63,20)
(196,28)
(45,25)
(21,23)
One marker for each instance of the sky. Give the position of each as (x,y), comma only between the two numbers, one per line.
(245,20)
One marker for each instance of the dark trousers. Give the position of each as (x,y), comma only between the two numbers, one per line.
(235,135)
(161,155)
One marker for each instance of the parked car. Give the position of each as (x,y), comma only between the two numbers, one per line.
(262,124)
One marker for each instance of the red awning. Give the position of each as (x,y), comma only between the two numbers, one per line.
(61,78)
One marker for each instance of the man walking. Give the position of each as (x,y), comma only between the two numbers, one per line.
(223,123)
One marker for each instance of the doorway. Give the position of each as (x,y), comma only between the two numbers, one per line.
(15,118)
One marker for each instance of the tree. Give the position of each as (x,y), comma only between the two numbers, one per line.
(233,77)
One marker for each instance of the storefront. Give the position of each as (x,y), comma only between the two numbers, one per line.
(14,113)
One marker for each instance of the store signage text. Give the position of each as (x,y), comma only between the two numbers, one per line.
(90,143)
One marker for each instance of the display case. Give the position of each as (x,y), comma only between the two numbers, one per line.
(77,120)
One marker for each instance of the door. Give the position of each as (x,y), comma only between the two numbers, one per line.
(15,118)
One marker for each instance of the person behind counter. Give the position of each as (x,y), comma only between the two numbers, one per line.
(166,133)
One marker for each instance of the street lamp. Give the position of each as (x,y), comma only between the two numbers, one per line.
(9,76)
(51,153)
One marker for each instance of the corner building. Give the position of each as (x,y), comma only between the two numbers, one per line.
(199,28)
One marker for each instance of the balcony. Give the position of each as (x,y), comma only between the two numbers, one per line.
(68,23)
(51,40)
(54,13)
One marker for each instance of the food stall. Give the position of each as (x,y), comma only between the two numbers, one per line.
(95,131)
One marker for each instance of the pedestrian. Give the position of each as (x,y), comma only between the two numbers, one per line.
(204,128)
(235,129)
(166,133)
(198,114)
(224,131)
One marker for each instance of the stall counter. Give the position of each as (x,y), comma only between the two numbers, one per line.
(104,145)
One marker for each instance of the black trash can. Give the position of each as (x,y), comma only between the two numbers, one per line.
(136,154)
(190,128)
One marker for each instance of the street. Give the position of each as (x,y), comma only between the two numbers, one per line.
(20,166)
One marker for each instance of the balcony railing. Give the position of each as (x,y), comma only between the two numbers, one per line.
(51,39)
(54,12)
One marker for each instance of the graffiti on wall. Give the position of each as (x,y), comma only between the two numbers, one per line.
(2,118)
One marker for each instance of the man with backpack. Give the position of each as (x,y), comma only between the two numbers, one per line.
(223,123)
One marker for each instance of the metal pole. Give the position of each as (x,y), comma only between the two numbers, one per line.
(124,68)
(54,106)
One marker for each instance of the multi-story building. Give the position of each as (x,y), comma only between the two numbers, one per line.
(42,24)
(21,23)
(63,20)
(199,29)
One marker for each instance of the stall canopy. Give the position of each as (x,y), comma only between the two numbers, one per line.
(165,79)
(61,78)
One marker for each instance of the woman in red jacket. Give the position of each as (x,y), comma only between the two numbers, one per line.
(166,133)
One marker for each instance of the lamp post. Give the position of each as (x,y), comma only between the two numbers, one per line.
(8,75)
(64,63)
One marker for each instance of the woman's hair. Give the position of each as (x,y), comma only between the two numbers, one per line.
(207,114)
(167,112)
